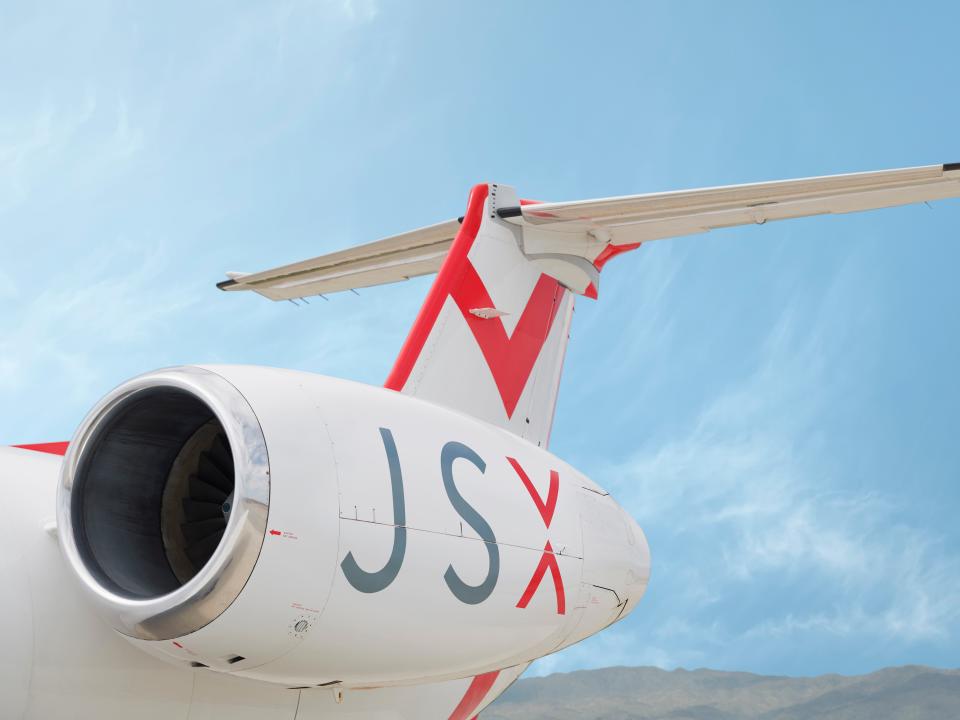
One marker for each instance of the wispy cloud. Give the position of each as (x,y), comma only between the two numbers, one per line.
(745,507)
(28,145)
(113,301)
(8,286)
(360,10)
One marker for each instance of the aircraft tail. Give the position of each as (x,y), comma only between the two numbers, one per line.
(491,335)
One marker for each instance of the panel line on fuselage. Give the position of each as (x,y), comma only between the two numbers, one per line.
(559,553)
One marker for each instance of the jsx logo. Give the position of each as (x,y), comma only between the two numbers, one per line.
(372,582)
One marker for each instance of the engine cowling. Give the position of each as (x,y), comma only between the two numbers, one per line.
(304,530)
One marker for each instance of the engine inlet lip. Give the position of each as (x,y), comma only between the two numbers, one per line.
(219,582)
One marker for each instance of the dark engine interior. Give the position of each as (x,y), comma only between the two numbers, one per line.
(153,493)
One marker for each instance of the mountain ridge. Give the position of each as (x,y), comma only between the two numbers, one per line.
(910,692)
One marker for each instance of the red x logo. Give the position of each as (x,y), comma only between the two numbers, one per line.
(548,561)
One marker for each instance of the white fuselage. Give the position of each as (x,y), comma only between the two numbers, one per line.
(504,554)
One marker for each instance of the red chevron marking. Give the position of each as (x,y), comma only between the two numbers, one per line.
(546,508)
(475,694)
(510,358)
(547,560)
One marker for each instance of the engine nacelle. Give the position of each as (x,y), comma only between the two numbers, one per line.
(305,530)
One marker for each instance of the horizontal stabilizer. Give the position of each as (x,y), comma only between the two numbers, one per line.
(419,252)
(570,240)
(640,218)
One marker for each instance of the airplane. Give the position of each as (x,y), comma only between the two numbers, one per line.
(224,541)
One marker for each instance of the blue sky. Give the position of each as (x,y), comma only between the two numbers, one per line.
(777,405)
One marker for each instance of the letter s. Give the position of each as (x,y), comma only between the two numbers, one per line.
(470,594)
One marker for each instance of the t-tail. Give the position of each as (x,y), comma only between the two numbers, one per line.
(491,335)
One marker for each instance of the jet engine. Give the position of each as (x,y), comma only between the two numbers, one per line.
(311,531)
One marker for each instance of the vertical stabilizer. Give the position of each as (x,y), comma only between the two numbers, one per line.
(492,332)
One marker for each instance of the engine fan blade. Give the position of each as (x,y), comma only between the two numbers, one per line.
(203,491)
(201,551)
(214,474)
(196,531)
(194,510)
(221,455)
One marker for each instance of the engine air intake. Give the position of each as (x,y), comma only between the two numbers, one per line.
(163,501)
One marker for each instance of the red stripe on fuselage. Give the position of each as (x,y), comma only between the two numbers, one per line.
(54,448)
(475,694)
